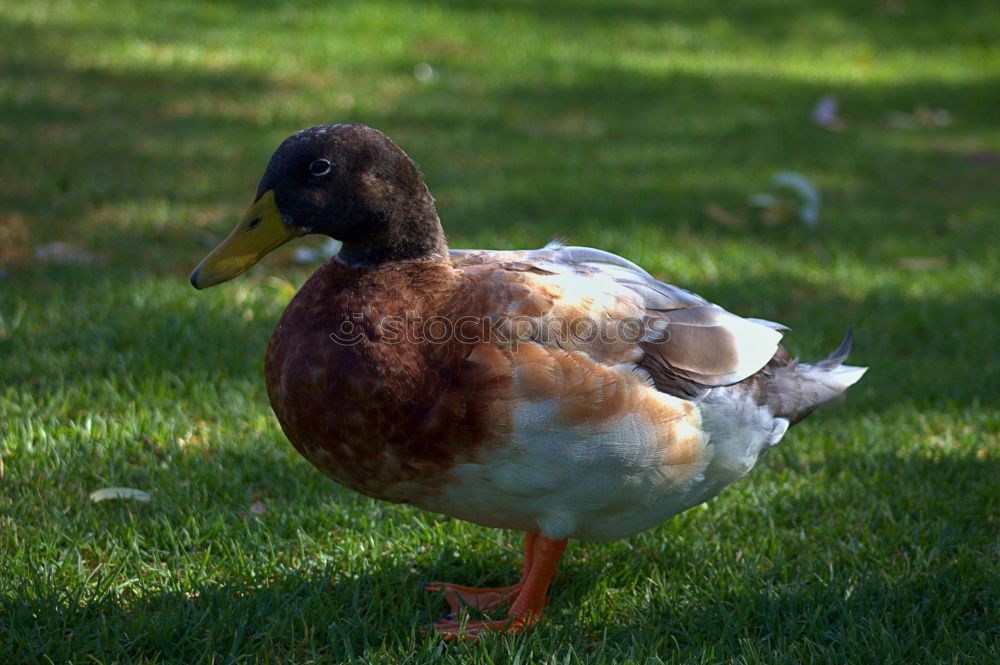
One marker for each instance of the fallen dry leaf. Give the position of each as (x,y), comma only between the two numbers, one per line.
(983,157)
(62,253)
(14,236)
(825,115)
(922,262)
(719,214)
(128,493)
(792,196)
(424,72)
(922,117)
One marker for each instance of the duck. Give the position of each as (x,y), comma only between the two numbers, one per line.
(562,392)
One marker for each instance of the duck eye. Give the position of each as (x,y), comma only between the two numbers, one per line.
(320,167)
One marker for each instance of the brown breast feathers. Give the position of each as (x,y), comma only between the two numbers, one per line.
(380,377)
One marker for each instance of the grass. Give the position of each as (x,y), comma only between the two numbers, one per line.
(135,132)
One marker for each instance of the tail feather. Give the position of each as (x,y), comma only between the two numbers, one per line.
(840,354)
(798,388)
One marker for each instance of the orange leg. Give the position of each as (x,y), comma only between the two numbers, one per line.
(460,598)
(529,604)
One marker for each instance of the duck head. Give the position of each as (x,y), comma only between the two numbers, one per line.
(346,181)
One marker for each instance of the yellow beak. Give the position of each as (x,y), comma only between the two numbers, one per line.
(259,232)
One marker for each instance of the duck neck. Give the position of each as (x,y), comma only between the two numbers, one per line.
(419,240)
(411,232)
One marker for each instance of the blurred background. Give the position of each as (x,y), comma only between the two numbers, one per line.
(819,163)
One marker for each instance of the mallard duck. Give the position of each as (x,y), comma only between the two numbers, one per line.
(563,392)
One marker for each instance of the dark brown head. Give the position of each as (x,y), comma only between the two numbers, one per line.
(349,182)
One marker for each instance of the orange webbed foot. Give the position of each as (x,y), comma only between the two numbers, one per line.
(456,630)
(460,598)
(525,600)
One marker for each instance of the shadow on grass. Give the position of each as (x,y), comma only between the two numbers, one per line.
(929,578)
(592,168)
(294,613)
(903,545)
(610,148)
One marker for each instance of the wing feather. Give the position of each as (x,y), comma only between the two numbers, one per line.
(681,332)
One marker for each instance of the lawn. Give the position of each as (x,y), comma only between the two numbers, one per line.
(133,134)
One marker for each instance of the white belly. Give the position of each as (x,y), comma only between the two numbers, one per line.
(608,480)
